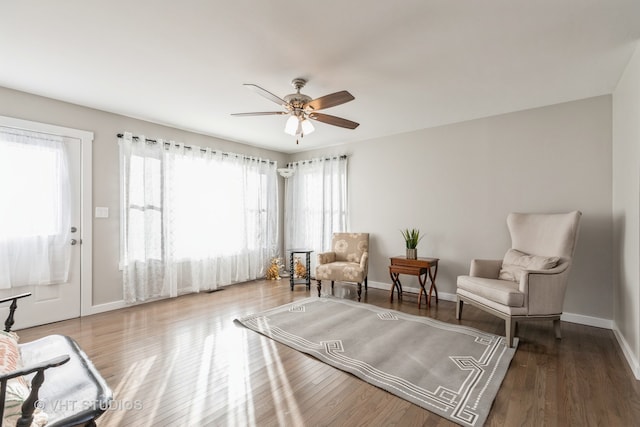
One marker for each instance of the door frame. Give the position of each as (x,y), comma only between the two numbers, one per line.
(86,202)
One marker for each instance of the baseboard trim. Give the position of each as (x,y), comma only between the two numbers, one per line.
(632,360)
(566,317)
(387,287)
(109,306)
(581,319)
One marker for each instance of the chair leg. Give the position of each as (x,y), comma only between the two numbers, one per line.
(359,290)
(366,282)
(459,304)
(510,325)
(319,282)
(556,327)
(332,282)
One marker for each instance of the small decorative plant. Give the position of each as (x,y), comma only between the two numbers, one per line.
(411,237)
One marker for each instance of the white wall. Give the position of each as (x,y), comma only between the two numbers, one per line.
(457,183)
(107,279)
(626,214)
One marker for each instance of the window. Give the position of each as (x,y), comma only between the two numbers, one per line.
(316,205)
(35,213)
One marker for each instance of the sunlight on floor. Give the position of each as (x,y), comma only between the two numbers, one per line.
(161,389)
(285,403)
(131,382)
(239,387)
(224,357)
(202,384)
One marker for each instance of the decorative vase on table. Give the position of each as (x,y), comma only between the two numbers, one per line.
(412,253)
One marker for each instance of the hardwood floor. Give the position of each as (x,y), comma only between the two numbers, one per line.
(184,362)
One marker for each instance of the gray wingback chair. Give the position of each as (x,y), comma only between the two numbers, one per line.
(347,262)
(531,281)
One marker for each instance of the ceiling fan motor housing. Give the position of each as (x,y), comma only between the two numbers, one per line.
(296,101)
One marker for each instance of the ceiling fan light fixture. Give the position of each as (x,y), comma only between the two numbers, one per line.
(307,127)
(292,126)
(298,125)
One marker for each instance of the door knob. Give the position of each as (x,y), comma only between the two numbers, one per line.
(74,242)
(74,229)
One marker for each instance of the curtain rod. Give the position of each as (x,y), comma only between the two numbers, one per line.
(342,157)
(188,147)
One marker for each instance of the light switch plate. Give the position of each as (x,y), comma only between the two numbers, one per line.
(102,212)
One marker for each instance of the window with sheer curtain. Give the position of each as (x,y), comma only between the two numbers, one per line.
(35,213)
(316,203)
(193,219)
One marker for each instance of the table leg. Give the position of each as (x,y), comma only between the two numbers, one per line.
(308,270)
(433,283)
(395,278)
(422,278)
(393,286)
(291,270)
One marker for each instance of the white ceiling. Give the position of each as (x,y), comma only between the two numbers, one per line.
(410,64)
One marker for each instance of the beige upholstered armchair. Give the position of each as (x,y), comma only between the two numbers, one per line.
(348,262)
(530,282)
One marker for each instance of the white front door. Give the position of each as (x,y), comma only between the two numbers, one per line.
(54,302)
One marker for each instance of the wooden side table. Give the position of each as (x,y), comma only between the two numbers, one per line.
(421,267)
(307,280)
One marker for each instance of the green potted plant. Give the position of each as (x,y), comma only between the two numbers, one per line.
(412,238)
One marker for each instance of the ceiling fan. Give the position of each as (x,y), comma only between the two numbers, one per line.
(301,108)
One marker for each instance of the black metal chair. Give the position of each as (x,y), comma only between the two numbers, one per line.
(73,394)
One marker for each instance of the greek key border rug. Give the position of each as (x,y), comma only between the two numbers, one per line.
(451,370)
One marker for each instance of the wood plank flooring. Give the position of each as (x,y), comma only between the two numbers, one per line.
(184,362)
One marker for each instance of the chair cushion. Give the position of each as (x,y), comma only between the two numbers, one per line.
(350,246)
(501,291)
(18,389)
(516,262)
(340,271)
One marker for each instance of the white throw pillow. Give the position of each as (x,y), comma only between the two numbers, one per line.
(516,262)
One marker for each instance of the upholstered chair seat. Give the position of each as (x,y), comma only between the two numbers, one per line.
(347,262)
(502,292)
(530,282)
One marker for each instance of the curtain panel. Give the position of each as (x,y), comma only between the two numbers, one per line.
(316,203)
(193,219)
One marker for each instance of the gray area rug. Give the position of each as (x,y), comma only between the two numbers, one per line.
(453,371)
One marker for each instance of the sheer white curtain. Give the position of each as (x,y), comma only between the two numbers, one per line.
(316,204)
(35,213)
(210,219)
(142,232)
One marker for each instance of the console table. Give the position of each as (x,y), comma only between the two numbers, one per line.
(422,267)
(307,280)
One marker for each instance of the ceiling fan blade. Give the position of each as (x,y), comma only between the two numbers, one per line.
(261,113)
(265,93)
(333,120)
(331,100)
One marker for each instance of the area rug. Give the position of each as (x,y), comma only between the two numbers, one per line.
(453,371)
